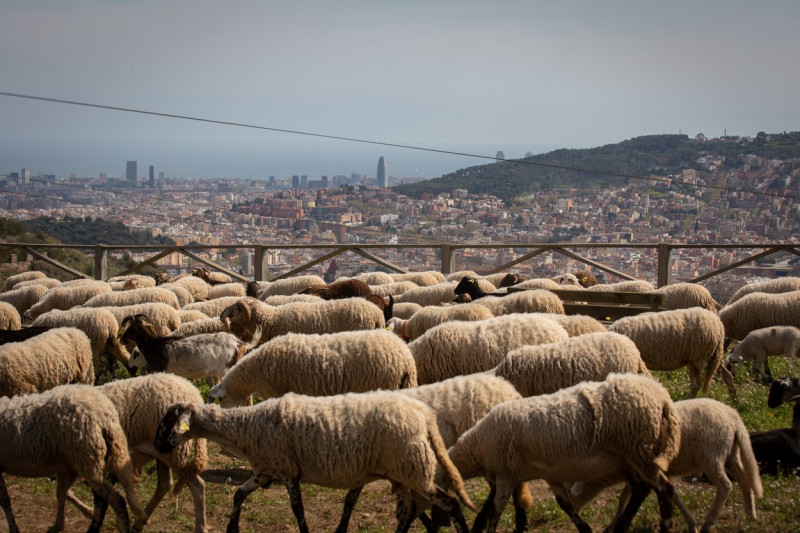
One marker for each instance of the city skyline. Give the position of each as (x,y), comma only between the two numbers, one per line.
(465,77)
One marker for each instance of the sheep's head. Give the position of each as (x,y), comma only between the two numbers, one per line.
(783,390)
(162,277)
(132,284)
(468,285)
(252,289)
(227,400)
(236,314)
(175,426)
(585,278)
(568,279)
(509,280)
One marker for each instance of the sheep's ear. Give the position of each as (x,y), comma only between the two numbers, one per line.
(183,424)
(152,329)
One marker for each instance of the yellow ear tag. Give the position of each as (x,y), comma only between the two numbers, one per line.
(184,426)
(120,332)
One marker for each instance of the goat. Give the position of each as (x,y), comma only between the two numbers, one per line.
(780,448)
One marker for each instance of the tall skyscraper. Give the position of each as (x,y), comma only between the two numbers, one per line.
(131,174)
(382,173)
(152,183)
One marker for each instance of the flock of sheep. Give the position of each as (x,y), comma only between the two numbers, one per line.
(417,378)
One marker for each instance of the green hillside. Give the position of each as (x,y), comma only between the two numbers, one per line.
(659,155)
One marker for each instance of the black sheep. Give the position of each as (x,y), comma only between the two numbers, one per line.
(779,449)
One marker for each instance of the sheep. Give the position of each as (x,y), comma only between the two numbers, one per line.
(291,285)
(568,279)
(635,285)
(12,280)
(138,281)
(197,287)
(627,421)
(585,278)
(66,297)
(350,288)
(685,295)
(669,340)
(69,432)
(9,317)
(25,298)
(459,403)
(100,326)
(212,278)
(163,278)
(22,334)
(431,316)
(212,307)
(47,282)
(222,290)
(772,286)
(281,299)
(576,324)
(779,449)
(386,307)
(471,285)
(255,288)
(539,283)
(527,301)
(714,441)
(438,294)
(405,310)
(191,315)
(319,365)
(760,310)
(375,435)
(546,368)
(164,317)
(457,348)
(458,275)
(372,278)
(141,403)
(392,289)
(206,325)
(133,297)
(256,322)
(509,280)
(184,296)
(205,355)
(760,343)
(421,279)
(58,356)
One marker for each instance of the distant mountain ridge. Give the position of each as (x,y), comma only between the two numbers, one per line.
(644,156)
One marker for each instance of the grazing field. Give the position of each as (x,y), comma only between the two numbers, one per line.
(33,500)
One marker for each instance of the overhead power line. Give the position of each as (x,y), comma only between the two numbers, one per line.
(389,144)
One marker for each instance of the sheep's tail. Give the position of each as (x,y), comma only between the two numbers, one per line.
(712,366)
(669,437)
(197,465)
(118,462)
(523,496)
(449,469)
(749,463)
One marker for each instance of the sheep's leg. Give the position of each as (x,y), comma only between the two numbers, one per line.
(695,381)
(82,507)
(296,499)
(562,498)
(691,523)
(666,502)
(719,478)
(451,506)
(503,492)
(349,503)
(164,483)
(737,471)
(483,515)
(244,490)
(5,502)
(63,483)
(198,489)
(105,495)
(405,513)
(638,492)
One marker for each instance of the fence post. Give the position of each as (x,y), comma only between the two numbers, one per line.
(664,263)
(258,263)
(100,262)
(448,259)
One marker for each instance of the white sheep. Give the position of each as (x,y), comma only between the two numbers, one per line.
(255,322)
(25,298)
(66,297)
(685,295)
(12,280)
(422,279)
(714,441)
(539,283)
(441,293)
(405,310)
(191,315)
(458,348)
(577,324)
(291,285)
(182,293)
(771,286)
(283,299)
(430,316)
(164,317)
(205,355)
(394,288)
(319,365)
(141,403)
(56,357)
(205,325)
(212,307)
(527,301)
(669,340)
(47,282)
(212,278)
(377,435)
(546,368)
(583,432)
(69,432)
(9,317)
(760,343)
(459,274)
(100,326)
(138,281)
(227,289)
(760,310)
(134,297)
(197,287)
(371,278)
(635,285)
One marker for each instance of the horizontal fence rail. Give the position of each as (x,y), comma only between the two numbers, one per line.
(447,253)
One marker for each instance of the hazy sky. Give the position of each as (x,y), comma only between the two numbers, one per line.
(467,76)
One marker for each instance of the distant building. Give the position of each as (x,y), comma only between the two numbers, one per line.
(152,183)
(25,175)
(131,173)
(295,182)
(382,173)
(500,156)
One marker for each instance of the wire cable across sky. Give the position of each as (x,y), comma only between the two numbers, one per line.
(389,144)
